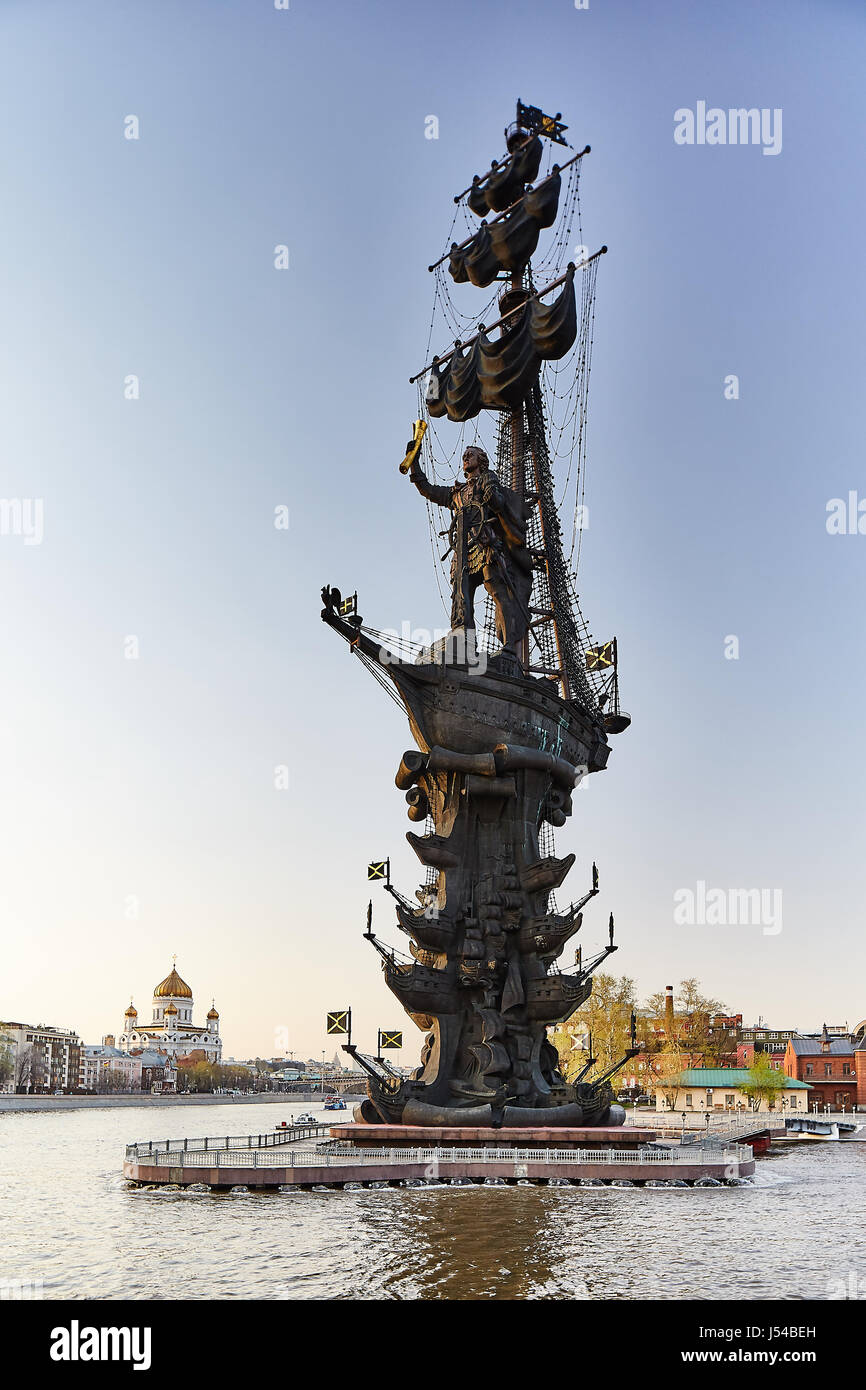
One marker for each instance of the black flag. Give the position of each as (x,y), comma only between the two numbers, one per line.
(533,118)
(600,658)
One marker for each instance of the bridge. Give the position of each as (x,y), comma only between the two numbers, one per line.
(757,1127)
(310,1083)
(825,1126)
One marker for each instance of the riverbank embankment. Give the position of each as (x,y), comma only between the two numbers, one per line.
(36,1104)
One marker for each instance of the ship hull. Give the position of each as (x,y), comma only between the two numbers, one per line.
(500,757)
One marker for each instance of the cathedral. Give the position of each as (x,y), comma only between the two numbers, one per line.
(171,1029)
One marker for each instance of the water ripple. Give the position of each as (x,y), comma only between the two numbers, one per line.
(70,1218)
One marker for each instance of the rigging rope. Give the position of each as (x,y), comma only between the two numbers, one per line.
(556,428)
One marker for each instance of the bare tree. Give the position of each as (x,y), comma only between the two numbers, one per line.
(24,1067)
(665,1069)
(693,1013)
(7,1059)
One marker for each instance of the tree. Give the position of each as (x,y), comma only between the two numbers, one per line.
(693,1012)
(763,1082)
(195,1073)
(606,1017)
(7,1059)
(571,1048)
(664,1073)
(112,1078)
(691,1001)
(23,1067)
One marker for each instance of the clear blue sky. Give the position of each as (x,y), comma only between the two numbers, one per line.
(153,779)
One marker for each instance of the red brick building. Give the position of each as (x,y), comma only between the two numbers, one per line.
(775,1056)
(834,1068)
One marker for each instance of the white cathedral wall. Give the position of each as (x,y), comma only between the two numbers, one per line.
(185,1008)
(167,1040)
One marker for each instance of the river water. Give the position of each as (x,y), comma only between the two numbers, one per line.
(69,1220)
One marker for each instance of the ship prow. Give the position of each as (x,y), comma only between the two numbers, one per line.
(473,705)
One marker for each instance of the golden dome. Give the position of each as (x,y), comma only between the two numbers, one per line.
(171,1009)
(173,987)
(212,1013)
(132,1011)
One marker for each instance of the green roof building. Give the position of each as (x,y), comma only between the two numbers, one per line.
(720,1088)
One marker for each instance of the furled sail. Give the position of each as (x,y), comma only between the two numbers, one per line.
(508,243)
(503,187)
(497,373)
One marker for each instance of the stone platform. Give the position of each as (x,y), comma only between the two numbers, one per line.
(287,1160)
(528,1137)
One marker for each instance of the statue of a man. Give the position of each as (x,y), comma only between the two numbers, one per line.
(488,541)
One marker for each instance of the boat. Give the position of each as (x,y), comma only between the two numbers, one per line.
(334,1103)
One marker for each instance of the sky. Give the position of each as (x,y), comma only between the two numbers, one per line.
(164,653)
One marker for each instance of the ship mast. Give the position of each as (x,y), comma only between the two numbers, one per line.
(554,647)
(530,475)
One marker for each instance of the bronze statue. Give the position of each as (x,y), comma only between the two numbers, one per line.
(488,544)
(499,744)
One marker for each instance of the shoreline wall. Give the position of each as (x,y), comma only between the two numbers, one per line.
(34,1104)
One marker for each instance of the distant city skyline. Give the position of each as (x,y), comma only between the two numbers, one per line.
(178,731)
(291,1052)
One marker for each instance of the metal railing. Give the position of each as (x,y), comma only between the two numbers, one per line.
(273,1139)
(722,1126)
(729,1155)
(736,1126)
(848,1117)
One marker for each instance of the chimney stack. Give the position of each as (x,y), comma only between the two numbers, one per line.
(669,1011)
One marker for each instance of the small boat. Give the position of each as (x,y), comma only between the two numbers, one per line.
(305,1119)
(334,1103)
